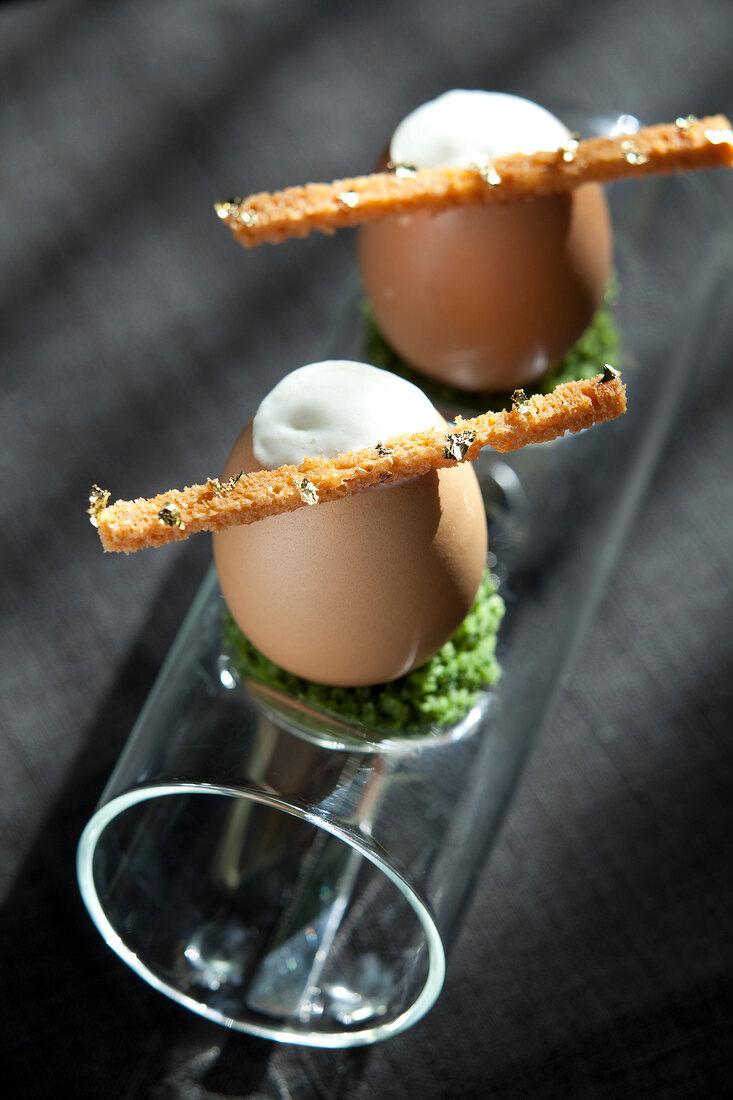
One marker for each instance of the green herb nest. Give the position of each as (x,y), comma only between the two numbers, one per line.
(439,693)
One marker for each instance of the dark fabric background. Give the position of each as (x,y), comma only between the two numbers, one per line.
(136,339)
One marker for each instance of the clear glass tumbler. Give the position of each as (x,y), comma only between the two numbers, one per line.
(299,878)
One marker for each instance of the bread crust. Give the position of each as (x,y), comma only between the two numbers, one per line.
(681,146)
(130,525)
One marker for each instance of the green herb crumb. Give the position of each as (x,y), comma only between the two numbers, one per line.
(439,693)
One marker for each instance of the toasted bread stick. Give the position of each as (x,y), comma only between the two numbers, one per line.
(127,526)
(681,146)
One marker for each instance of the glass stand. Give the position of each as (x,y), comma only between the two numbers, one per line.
(290,875)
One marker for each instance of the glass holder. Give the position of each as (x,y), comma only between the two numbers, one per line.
(293,876)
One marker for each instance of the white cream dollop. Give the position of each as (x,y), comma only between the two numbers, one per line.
(335,406)
(464,127)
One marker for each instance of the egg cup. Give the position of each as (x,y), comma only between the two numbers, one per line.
(302,879)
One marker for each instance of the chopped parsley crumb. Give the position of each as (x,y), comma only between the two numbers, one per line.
(439,693)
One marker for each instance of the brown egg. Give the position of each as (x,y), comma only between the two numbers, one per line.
(362,590)
(486,298)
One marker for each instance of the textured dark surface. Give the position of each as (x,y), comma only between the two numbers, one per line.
(136,339)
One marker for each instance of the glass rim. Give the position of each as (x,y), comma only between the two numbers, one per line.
(337,1039)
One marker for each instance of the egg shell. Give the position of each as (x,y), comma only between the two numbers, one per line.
(486,298)
(357,591)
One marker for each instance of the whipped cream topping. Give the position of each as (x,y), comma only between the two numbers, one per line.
(463,128)
(336,406)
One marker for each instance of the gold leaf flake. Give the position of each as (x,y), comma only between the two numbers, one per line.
(402,171)
(383,450)
(231,210)
(307,491)
(520,401)
(569,149)
(458,444)
(488,173)
(349,198)
(98,501)
(170,516)
(632,154)
(218,488)
(610,373)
